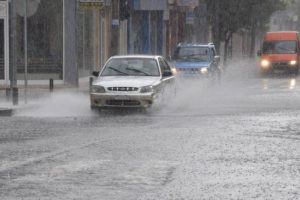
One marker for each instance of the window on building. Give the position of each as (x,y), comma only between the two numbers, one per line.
(45,42)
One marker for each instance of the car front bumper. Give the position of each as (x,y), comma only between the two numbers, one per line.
(279,67)
(193,72)
(122,100)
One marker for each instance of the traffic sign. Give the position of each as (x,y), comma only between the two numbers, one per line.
(32,6)
(91,4)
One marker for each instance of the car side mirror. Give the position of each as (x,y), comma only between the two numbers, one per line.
(217,58)
(95,73)
(167,73)
(259,53)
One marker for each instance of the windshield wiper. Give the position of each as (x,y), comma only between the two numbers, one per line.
(192,56)
(139,71)
(116,70)
(286,50)
(196,54)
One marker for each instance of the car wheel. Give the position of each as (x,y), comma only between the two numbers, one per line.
(216,77)
(296,71)
(174,91)
(157,101)
(145,110)
(265,73)
(95,109)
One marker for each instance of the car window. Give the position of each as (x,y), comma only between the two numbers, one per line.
(164,67)
(280,47)
(131,67)
(193,53)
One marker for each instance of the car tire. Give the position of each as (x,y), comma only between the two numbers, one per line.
(174,91)
(215,77)
(265,73)
(218,75)
(296,71)
(95,109)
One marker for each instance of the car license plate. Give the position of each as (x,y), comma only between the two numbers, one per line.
(279,70)
(121,97)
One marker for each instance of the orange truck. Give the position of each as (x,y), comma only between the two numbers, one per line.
(280,52)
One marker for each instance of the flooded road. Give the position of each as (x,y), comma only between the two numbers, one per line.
(235,140)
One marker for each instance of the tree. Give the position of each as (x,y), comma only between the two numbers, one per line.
(260,12)
(230,16)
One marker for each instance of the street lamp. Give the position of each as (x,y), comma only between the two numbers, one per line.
(27,9)
(171,5)
(25,51)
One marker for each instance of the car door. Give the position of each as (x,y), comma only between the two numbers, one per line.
(168,79)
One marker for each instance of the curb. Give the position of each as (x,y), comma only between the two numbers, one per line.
(6,112)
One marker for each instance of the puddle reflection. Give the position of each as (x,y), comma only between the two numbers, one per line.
(290,84)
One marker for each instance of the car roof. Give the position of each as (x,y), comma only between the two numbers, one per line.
(137,56)
(195,45)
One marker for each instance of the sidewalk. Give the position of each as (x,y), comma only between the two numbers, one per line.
(35,92)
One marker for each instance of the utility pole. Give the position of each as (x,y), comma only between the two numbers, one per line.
(25,51)
(115,28)
(13,53)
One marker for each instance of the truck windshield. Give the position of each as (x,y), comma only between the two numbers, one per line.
(280,47)
(192,54)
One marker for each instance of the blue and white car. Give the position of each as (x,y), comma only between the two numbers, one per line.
(196,59)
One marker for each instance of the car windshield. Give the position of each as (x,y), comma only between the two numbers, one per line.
(279,47)
(192,54)
(131,67)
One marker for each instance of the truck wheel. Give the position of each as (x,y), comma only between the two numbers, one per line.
(265,73)
(296,71)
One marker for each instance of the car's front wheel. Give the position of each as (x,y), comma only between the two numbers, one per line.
(95,109)
(295,71)
(265,73)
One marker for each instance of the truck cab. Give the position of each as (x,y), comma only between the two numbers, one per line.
(280,52)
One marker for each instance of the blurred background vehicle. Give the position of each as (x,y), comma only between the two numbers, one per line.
(280,52)
(196,59)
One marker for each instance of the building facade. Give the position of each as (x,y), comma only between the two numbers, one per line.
(63,40)
(4,42)
(146,26)
(68,39)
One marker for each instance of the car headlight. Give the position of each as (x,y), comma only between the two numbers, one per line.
(174,71)
(146,89)
(98,89)
(204,70)
(293,62)
(265,63)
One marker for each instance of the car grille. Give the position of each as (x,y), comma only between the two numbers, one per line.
(280,65)
(189,70)
(123,89)
(123,103)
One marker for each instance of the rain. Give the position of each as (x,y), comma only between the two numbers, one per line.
(69,131)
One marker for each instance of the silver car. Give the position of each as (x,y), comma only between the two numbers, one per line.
(131,81)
